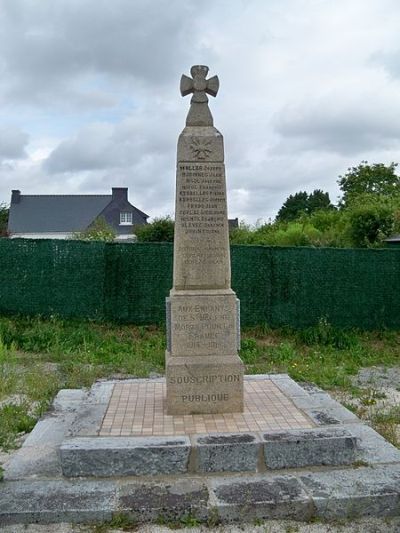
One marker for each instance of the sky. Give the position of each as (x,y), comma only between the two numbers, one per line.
(89,95)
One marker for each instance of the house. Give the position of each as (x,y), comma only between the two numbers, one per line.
(233,223)
(60,216)
(392,241)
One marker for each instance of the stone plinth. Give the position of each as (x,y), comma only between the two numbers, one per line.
(203,369)
(204,384)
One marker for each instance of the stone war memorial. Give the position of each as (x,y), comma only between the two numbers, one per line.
(206,442)
(203,370)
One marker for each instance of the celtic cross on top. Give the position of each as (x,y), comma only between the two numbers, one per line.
(198,85)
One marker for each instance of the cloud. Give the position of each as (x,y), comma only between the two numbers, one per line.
(308,88)
(346,119)
(119,145)
(65,47)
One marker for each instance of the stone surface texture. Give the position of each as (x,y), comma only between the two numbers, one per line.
(124,456)
(309,447)
(227,452)
(202,308)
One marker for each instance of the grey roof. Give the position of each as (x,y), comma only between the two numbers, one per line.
(63,213)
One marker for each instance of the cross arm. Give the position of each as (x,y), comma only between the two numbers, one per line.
(186,85)
(212,86)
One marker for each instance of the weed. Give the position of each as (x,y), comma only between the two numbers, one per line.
(119,521)
(249,350)
(370,396)
(213,519)
(327,335)
(359,464)
(387,424)
(14,419)
(350,407)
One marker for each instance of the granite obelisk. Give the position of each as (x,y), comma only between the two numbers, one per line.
(203,370)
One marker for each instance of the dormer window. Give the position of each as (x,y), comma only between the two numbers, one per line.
(125,218)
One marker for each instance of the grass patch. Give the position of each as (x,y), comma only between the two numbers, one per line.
(14,420)
(387,423)
(38,357)
(119,521)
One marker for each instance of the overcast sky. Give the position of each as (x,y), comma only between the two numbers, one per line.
(89,94)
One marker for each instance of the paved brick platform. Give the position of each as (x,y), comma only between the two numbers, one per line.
(139,409)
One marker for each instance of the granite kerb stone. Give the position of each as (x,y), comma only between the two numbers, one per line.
(372,447)
(355,493)
(324,416)
(332,446)
(124,456)
(226,452)
(261,497)
(145,501)
(55,501)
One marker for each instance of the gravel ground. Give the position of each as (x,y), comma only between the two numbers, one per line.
(273,526)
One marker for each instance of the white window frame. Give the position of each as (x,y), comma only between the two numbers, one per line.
(125,218)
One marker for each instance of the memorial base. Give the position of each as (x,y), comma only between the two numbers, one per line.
(204,384)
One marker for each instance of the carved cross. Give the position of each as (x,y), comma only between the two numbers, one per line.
(199,86)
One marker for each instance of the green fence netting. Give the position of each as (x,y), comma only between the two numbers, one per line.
(129,282)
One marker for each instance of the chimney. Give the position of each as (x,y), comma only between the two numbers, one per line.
(15,196)
(120,193)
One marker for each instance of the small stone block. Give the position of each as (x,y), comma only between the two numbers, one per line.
(309,447)
(227,452)
(124,456)
(50,502)
(173,501)
(354,493)
(276,497)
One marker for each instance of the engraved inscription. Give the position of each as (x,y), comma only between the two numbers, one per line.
(201,200)
(205,398)
(212,378)
(204,327)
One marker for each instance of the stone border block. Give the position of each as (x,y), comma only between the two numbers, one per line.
(48,502)
(288,386)
(355,493)
(226,452)
(145,502)
(124,456)
(69,399)
(309,447)
(272,497)
(329,416)
(372,447)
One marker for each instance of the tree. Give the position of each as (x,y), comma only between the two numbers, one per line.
(98,231)
(377,179)
(293,207)
(160,230)
(302,203)
(3,219)
(370,224)
(318,199)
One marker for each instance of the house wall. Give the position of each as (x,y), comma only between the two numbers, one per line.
(118,204)
(52,235)
(121,238)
